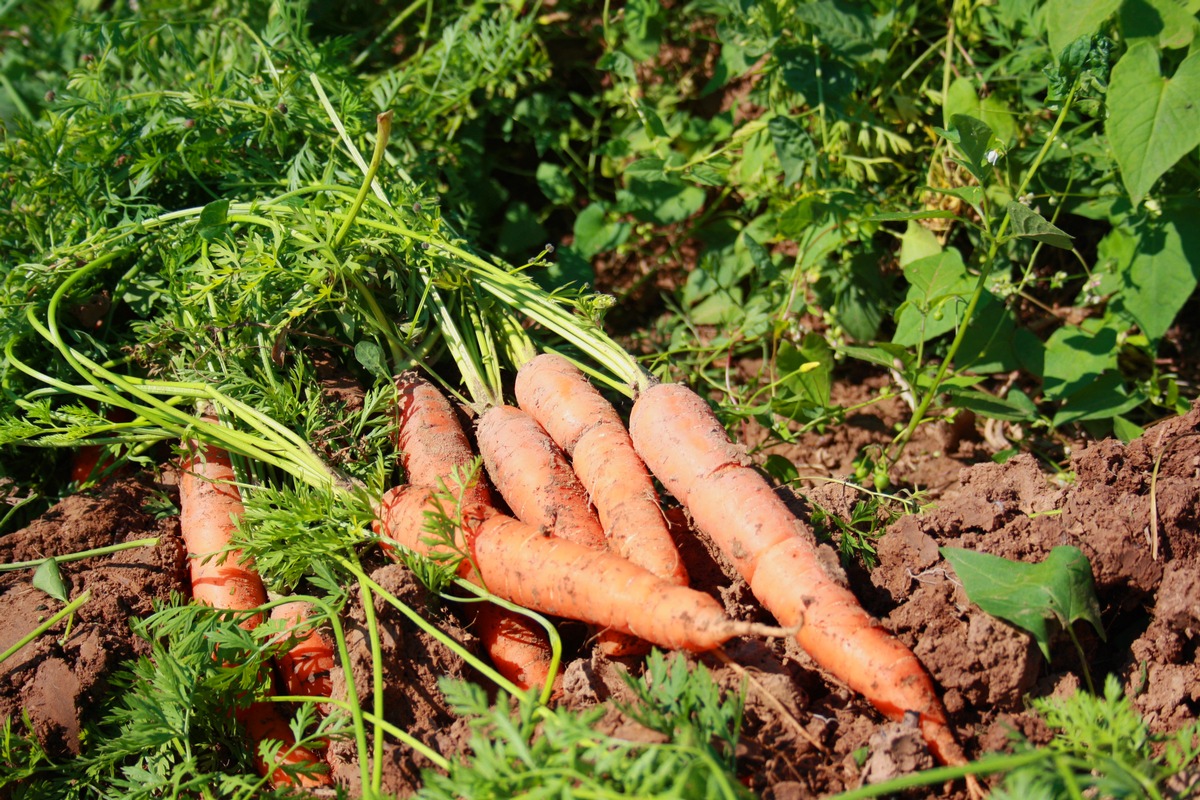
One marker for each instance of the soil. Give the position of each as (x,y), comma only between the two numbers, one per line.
(62,676)
(1133,509)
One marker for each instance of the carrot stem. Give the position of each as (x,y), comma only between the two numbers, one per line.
(68,609)
(82,554)
(485,669)
(368,604)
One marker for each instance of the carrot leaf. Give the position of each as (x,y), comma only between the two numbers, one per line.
(1031,596)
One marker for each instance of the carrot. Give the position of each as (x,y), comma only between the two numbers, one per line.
(90,459)
(263,721)
(305,666)
(432,444)
(536,480)
(528,566)
(534,477)
(430,438)
(209,505)
(585,425)
(686,447)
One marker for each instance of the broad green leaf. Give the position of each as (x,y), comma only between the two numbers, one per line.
(1067,20)
(1153,121)
(817,80)
(650,168)
(917,242)
(555,182)
(213,222)
(47,578)
(370,356)
(937,291)
(805,373)
(843,27)
(972,195)
(595,234)
(990,405)
(860,297)
(1125,430)
(706,175)
(521,232)
(780,468)
(799,217)
(884,354)
(618,63)
(651,119)
(663,202)
(1169,24)
(1029,224)
(1163,272)
(1105,397)
(1075,358)
(643,28)
(962,98)
(993,341)
(1030,596)
(794,147)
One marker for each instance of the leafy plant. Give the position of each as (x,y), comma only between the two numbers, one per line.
(1031,596)
(536,751)
(1102,748)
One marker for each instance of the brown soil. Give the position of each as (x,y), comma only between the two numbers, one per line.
(58,681)
(804,735)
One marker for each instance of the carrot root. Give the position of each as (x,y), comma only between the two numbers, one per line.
(432,445)
(686,447)
(585,425)
(305,666)
(525,565)
(533,476)
(209,504)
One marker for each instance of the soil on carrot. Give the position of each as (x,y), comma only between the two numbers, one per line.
(1133,510)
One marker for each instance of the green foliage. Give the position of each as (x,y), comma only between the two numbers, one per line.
(538,752)
(1059,589)
(1102,748)
(855,537)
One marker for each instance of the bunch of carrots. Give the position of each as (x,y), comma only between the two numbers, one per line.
(587,540)
(578,532)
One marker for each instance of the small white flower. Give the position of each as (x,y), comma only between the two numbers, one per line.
(992,157)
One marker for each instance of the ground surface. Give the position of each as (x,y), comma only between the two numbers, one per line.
(802,731)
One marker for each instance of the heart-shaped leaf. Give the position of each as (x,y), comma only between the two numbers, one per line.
(1030,596)
(1153,121)
(1029,224)
(47,578)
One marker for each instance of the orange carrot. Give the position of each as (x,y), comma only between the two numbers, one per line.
(209,505)
(304,667)
(534,477)
(432,444)
(430,438)
(263,721)
(686,447)
(585,425)
(536,480)
(530,567)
